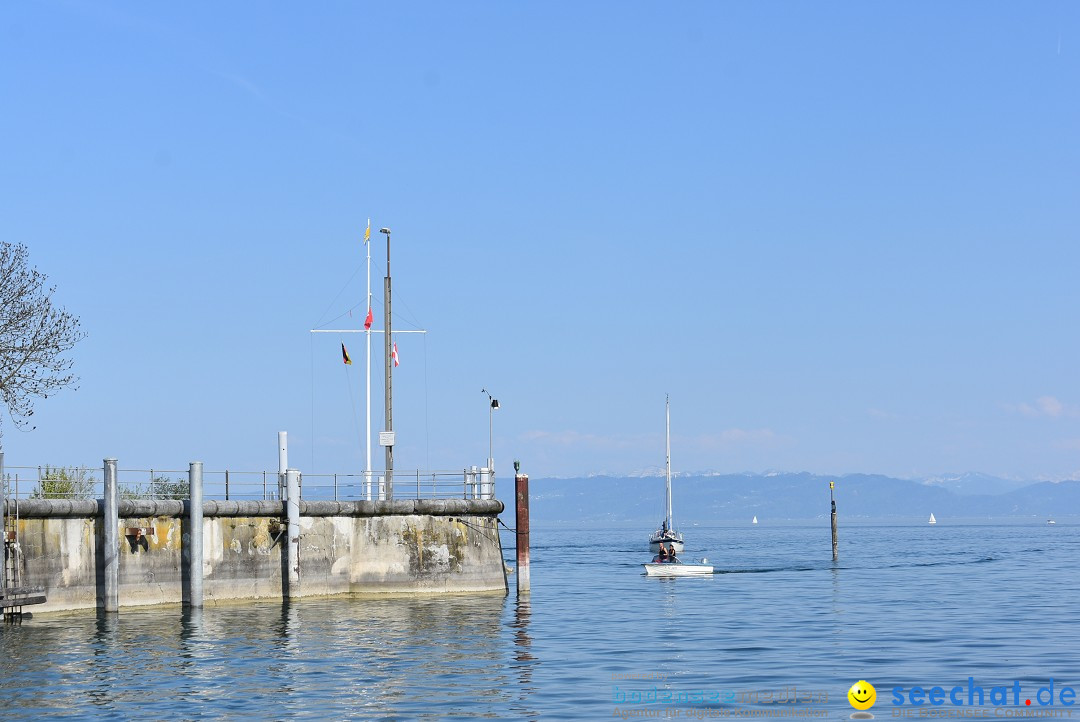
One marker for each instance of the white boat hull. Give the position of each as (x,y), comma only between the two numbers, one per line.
(677,569)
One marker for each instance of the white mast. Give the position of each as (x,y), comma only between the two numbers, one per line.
(667,414)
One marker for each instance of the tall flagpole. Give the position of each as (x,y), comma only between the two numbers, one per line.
(367,333)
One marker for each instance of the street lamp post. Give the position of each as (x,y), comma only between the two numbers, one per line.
(494,404)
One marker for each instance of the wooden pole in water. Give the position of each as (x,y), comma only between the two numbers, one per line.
(835,553)
(521,506)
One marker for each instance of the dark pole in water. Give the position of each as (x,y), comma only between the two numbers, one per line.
(521,506)
(832,485)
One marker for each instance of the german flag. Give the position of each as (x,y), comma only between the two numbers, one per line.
(345,355)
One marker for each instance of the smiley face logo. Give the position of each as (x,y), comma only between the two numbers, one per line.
(862,695)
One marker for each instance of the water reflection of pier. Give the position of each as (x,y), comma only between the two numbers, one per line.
(392,658)
(524,659)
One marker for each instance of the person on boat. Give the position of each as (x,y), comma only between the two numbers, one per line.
(663,555)
(671,557)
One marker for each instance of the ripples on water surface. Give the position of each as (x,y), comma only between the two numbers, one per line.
(906,605)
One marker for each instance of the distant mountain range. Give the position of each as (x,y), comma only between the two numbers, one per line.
(705,498)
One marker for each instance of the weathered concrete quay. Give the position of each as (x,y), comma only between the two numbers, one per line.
(112,553)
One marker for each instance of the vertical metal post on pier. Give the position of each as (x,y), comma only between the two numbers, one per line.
(282,462)
(388,343)
(195,534)
(521,505)
(110,525)
(292,515)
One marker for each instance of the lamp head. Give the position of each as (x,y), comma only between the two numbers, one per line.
(494,403)
(385,230)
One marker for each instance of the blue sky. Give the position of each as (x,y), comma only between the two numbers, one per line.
(842,236)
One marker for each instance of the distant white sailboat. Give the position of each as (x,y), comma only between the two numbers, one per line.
(932,519)
(667,534)
(754,521)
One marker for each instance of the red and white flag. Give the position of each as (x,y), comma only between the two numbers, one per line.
(396,361)
(368,320)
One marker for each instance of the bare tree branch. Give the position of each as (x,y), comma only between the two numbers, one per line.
(34,335)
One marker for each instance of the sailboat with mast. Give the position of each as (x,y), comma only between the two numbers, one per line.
(667,534)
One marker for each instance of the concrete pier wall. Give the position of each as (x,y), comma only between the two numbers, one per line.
(346,548)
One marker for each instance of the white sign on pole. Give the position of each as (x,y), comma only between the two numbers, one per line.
(386,438)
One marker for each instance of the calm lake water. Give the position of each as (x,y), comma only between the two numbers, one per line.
(907,605)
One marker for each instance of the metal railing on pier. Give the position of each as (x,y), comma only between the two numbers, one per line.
(80,482)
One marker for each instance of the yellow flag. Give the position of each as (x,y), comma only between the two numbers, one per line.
(367,231)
